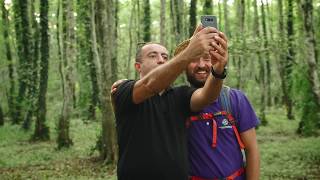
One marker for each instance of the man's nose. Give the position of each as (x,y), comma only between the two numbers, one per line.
(160,60)
(201,63)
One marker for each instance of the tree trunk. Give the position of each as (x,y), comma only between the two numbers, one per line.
(34,51)
(240,24)
(41,130)
(1,116)
(11,95)
(24,55)
(207,7)
(163,23)
(312,54)
(266,54)
(193,17)
(290,52)
(226,18)
(220,15)
(176,12)
(68,51)
(89,90)
(261,78)
(130,29)
(108,141)
(146,21)
(114,62)
(287,100)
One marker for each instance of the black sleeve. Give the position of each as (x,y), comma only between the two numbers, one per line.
(123,96)
(185,93)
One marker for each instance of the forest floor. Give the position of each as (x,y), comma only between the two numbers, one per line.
(284,154)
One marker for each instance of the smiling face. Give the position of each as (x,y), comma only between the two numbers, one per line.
(198,71)
(151,56)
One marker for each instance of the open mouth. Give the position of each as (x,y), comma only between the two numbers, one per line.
(202,74)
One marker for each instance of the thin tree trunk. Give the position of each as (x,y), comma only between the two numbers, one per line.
(146,21)
(220,14)
(68,39)
(282,69)
(241,24)
(266,54)
(226,18)
(176,10)
(89,90)
(11,94)
(114,62)
(261,78)
(41,130)
(163,22)
(34,51)
(108,141)
(24,55)
(288,65)
(193,17)
(207,7)
(132,15)
(1,116)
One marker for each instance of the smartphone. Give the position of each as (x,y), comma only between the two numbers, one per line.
(209,20)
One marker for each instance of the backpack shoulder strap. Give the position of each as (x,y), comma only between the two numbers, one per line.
(224,99)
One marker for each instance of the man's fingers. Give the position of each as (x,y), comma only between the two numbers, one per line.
(209,30)
(219,49)
(117,83)
(223,36)
(221,41)
(199,28)
(113,90)
(216,55)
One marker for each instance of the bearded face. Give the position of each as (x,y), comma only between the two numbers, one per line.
(198,71)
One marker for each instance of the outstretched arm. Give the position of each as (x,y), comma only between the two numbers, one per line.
(211,90)
(162,76)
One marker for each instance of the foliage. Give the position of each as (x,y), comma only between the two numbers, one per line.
(284,155)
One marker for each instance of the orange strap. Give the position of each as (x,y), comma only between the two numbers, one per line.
(214,133)
(237,173)
(208,116)
(230,118)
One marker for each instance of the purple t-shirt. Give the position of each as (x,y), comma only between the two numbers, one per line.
(226,158)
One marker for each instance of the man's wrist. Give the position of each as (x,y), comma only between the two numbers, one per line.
(219,74)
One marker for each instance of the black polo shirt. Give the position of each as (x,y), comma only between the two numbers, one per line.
(152,134)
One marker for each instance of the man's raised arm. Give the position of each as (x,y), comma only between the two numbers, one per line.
(162,76)
(211,90)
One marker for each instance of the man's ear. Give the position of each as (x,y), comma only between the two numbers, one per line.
(137,65)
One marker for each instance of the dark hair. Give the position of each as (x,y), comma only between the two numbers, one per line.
(140,45)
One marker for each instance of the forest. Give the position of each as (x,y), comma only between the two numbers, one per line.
(59,58)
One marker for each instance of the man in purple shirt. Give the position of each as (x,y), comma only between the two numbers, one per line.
(215,141)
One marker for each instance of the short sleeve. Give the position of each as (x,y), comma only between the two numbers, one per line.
(123,96)
(185,93)
(243,111)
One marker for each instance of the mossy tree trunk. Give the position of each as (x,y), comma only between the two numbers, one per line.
(192,16)
(106,25)
(262,74)
(11,93)
(67,74)
(41,131)
(287,99)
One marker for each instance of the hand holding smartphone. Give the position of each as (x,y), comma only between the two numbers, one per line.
(209,21)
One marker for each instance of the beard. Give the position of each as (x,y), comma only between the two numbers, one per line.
(193,81)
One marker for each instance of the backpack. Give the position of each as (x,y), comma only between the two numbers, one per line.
(225,102)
